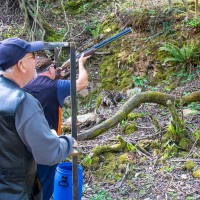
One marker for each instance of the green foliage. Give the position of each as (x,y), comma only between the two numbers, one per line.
(189,164)
(173,195)
(198,69)
(194,106)
(139,81)
(66,112)
(193,22)
(169,168)
(195,134)
(130,147)
(189,78)
(101,195)
(191,198)
(93,28)
(87,102)
(82,6)
(62,31)
(88,160)
(124,123)
(183,55)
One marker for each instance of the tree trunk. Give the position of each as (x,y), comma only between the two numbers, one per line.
(35,23)
(170,4)
(135,102)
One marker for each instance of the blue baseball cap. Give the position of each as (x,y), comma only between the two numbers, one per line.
(14,49)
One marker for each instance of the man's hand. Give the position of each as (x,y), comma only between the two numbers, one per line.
(54,132)
(75,151)
(82,60)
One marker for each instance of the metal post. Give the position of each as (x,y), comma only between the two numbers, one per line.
(56,57)
(74,118)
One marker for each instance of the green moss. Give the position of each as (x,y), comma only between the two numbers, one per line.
(155,152)
(108,27)
(170,150)
(171,134)
(143,159)
(196,173)
(66,129)
(189,164)
(108,157)
(98,100)
(101,149)
(83,6)
(113,77)
(184,143)
(169,87)
(130,128)
(51,35)
(95,162)
(155,144)
(122,168)
(195,155)
(123,159)
(77,6)
(182,154)
(133,116)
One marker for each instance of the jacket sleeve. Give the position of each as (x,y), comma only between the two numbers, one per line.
(34,131)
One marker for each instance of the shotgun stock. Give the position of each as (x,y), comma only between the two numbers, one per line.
(93,49)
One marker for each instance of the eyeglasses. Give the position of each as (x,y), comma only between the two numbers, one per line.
(41,69)
(32,56)
(53,65)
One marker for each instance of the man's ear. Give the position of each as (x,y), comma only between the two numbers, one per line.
(21,67)
(51,70)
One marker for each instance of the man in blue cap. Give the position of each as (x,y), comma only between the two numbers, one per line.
(25,136)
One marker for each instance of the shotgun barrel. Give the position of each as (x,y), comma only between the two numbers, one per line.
(105,42)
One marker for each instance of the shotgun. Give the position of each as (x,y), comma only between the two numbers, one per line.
(93,49)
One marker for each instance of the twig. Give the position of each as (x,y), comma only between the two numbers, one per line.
(183,160)
(125,175)
(148,136)
(192,147)
(142,151)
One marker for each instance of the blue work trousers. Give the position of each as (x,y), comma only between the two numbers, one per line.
(46,175)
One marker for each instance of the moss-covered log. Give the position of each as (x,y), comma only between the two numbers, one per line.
(110,148)
(135,102)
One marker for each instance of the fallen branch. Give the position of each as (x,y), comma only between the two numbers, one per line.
(135,102)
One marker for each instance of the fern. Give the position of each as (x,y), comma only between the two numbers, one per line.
(183,55)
